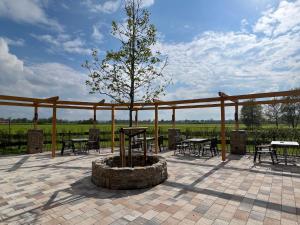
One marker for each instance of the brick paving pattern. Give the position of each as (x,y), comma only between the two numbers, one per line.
(35,189)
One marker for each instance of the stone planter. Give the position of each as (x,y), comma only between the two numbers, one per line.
(107,173)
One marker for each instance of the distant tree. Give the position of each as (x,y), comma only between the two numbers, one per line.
(273,112)
(291,111)
(251,115)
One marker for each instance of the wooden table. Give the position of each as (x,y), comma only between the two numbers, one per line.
(285,145)
(80,141)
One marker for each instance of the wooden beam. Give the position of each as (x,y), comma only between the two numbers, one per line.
(156,129)
(223,137)
(173,118)
(264,95)
(40,105)
(52,99)
(53,146)
(145,148)
(228,97)
(113,129)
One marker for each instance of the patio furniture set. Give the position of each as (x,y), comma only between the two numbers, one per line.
(196,146)
(271,149)
(81,144)
(138,143)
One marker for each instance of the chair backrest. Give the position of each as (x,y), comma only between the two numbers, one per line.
(66,136)
(94,134)
(214,143)
(178,138)
(160,140)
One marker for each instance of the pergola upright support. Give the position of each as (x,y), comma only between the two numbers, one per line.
(113,129)
(35,117)
(156,129)
(236,115)
(136,118)
(53,145)
(95,116)
(223,137)
(173,118)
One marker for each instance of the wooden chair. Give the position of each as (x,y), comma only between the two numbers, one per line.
(212,147)
(265,149)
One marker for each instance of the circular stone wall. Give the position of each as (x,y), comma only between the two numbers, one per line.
(107,173)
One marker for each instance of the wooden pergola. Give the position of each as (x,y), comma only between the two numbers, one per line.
(221,101)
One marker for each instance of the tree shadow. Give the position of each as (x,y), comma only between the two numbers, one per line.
(18,164)
(78,192)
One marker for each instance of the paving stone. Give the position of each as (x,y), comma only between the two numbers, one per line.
(41,190)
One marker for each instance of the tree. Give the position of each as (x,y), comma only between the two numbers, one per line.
(273,112)
(291,111)
(134,72)
(251,115)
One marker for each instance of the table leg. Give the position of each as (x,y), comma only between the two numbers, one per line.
(285,155)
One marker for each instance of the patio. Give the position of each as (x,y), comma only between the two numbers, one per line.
(36,189)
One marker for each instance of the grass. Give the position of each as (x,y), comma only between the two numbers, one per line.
(79,128)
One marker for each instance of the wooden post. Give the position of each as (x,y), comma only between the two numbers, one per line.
(54,130)
(95,117)
(223,137)
(145,148)
(236,115)
(173,118)
(123,149)
(113,130)
(136,118)
(35,118)
(156,129)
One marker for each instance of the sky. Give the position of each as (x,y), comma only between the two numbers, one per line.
(233,46)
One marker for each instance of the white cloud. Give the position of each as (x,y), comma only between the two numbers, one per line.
(109,6)
(9,65)
(147,3)
(274,22)
(15,42)
(238,62)
(40,80)
(27,11)
(64,42)
(97,35)
(233,62)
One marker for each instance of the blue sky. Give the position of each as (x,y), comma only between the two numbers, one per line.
(235,46)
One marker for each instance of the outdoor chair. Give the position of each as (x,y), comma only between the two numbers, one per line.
(181,146)
(93,142)
(161,143)
(265,149)
(212,147)
(136,144)
(66,142)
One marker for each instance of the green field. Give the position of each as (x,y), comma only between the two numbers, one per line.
(80,128)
